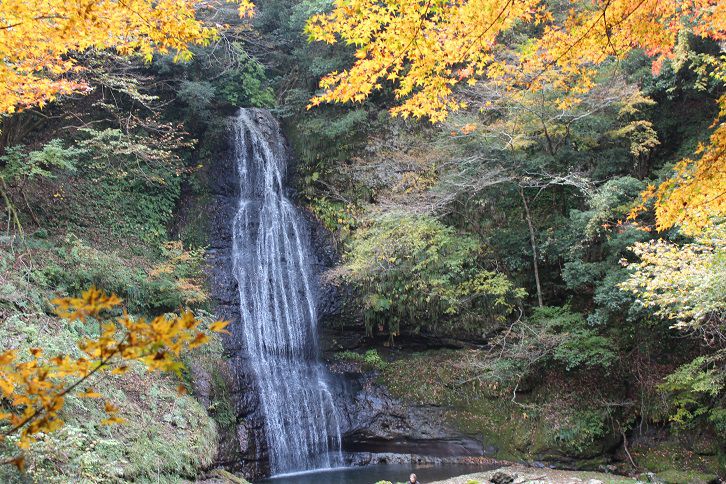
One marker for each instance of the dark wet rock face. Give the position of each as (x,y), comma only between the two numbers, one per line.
(375,427)
(242,446)
(378,428)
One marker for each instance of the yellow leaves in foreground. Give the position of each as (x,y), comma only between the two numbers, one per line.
(425,48)
(219,327)
(697,192)
(33,386)
(36,37)
(91,303)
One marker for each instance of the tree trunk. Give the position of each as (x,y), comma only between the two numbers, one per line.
(533,241)
(10,207)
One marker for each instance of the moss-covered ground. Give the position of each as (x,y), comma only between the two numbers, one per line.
(168,436)
(561,422)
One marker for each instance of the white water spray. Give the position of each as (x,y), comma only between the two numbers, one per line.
(277,304)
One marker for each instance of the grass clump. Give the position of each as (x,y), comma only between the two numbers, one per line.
(370,360)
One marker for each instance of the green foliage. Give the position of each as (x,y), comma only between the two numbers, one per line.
(608,204)
(697,392)
(551,336)
(579,345)
(585,349)
(598,240)
(415,273)
(370,360)
(197,96)
(79,266)
(215,79)
(17,168)
(374,360)
(323,140)
(305,9)
(335,216)
(20,165)
(582,429)
(245,84)
(135,182)
(167,435)
(181,274)
(165,287)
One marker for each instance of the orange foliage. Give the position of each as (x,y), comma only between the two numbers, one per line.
(425,48)
(36,37)
(697,191)
(34,386)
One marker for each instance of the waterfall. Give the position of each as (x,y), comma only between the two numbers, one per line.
(277,304)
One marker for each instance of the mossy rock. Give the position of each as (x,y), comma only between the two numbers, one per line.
(686,477)
(226,477)
(576,434)
(671,462)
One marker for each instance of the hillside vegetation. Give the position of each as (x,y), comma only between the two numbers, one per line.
(540,254)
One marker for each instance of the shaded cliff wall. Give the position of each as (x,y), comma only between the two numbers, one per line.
(242,446)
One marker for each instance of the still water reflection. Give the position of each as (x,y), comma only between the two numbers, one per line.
(375,473)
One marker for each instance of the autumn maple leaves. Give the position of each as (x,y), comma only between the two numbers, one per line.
(34,385)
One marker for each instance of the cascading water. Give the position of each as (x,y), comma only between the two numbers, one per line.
(277,304)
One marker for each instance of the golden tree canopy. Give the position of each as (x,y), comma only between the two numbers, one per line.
(425,48)
(36,37)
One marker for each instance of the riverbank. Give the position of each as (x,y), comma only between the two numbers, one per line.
(521,474)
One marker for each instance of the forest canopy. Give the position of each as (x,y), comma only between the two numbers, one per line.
(425,49)
(39,37)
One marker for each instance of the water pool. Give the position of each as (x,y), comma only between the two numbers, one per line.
(375,473)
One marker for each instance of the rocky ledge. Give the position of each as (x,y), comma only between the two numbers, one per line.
(377,428)
(519,474)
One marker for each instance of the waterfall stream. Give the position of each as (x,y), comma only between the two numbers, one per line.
(277,304)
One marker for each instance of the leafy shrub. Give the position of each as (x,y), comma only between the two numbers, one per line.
(131,183)
(550,336)
(184,270)
(413,273)
(176,281)
(578,345)
(245,84)
(371,360)
(684,284)
(18,164)
(166,433)
(374,360)
(696,392)
(19,167)
(323,139)
(335,216)
(581,430)
(198,97)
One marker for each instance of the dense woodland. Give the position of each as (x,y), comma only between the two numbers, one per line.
(515,259)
